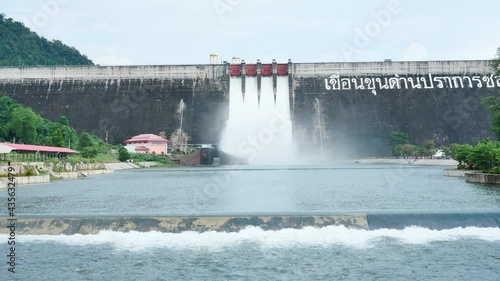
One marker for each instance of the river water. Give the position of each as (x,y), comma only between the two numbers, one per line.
(329,253)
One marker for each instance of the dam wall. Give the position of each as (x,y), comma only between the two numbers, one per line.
(390,68)
(361,103)
(177,224)
(125,101)
(113,72)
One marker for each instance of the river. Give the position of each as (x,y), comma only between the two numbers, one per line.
(328,253)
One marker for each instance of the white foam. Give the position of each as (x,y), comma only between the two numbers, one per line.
(322,237)
(259,132)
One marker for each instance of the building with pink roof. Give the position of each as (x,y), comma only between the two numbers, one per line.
(147,143)
(28,152)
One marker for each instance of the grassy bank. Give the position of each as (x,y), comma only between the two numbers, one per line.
(161,161)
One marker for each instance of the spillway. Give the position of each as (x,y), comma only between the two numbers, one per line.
(259,127)
(233,223)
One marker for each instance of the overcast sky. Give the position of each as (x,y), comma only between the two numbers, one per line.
(123,32)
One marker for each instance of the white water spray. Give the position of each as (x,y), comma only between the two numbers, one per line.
(259,132)
(329,236)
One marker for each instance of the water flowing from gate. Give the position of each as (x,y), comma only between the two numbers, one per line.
(260,131)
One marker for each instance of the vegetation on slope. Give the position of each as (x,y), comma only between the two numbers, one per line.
(19,46)
(401,147)
(21,124)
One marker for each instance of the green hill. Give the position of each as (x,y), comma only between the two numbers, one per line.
(19,46)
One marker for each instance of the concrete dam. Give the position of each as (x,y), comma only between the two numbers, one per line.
(347,109)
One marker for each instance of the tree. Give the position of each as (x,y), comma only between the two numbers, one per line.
(460,152)
(56,134)
(63,120)
(19,46)
(6,106)
(483,155)
(84,141)
(406,150)
(492,104)
(495,63)
(90,152)
(429,148)
(70,136)
(24,123)
(123,154)
(430,144)
(88,146)
(397,138)
(56,139)
(27,126)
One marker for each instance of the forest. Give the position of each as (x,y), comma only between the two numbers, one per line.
(19,46)
(19,124)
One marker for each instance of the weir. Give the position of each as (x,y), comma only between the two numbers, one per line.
(228,223)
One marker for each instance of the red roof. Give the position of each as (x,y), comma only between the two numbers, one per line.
(29,147)
(146,138)
(141,148)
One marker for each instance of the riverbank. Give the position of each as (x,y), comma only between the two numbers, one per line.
(427,162)
(131,165)
(453,172)
(473,176)
(68,171)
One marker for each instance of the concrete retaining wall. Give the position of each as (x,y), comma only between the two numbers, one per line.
(79,174)
(65,175)
(121,166)
(68,167)
(33,179)
(95,172)
(20,168)
(148,164)
(482,178)
(191,159)
(426,162)
(455,173)
(26,180)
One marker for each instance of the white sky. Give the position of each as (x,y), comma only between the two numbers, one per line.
(123,32)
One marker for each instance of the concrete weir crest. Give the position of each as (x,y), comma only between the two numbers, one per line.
(235,223)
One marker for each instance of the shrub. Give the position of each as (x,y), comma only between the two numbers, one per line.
(90,151)
(29,171)
(123,154)
(494,170)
